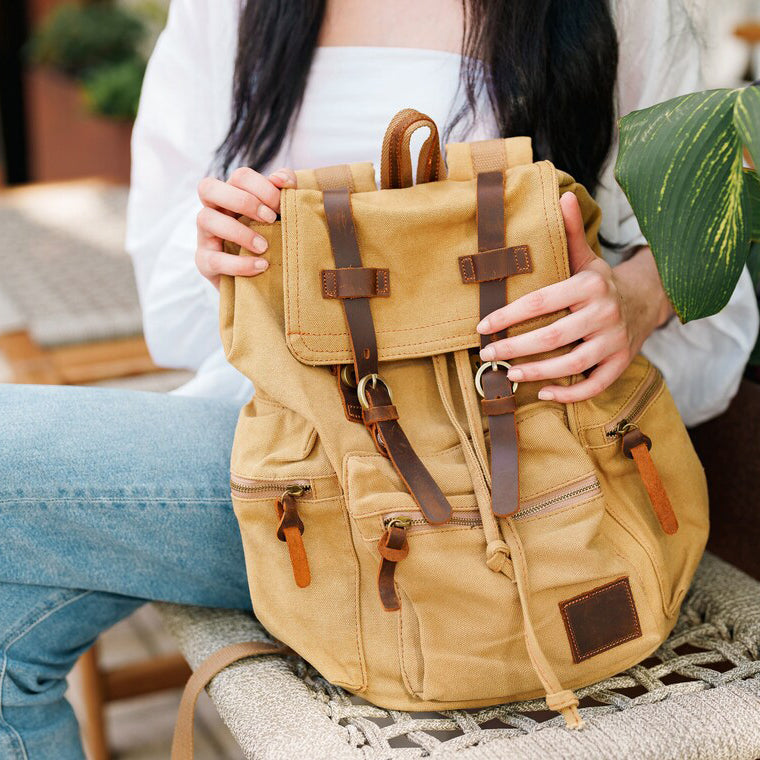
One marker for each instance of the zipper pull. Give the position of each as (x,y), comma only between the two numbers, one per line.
(290,530)
(393,547)
(636,446)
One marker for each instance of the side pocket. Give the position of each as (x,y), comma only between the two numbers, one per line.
(276,448)
(650,407)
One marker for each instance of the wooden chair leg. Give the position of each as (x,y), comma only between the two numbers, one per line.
(93,697)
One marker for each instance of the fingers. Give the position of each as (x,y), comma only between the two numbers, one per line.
(563,332)
(215,226)
(584,356)
(228,198)
(283,178)
(213,263)
(578,250)
(257,185)
(585,286)
(599,380)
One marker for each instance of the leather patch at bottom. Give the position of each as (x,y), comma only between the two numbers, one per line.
(600,619)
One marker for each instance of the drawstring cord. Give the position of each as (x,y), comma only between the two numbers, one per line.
(558,699)
(497,552)
(505,556)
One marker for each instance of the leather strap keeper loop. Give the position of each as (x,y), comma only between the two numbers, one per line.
(355,282)
(496,264)
(379,414)
(393,545)
(493,407)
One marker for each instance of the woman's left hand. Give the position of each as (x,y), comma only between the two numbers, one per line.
(612,313)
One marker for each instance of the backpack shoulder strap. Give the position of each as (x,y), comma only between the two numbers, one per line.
(182,744)
(466,160)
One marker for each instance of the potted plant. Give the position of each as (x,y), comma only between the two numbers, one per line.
(682,165)
(87,63)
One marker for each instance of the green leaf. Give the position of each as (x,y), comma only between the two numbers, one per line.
(753,189)
(680,165)
(747,121)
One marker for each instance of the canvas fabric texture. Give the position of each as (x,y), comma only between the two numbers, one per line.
(481,605)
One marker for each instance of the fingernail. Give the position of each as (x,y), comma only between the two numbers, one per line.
(266,214)
(260,264)
(546,395)
(484,326)
(516,375)
(287,181)
(259,244)
(488,354)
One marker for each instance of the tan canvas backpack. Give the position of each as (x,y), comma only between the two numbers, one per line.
(425,533)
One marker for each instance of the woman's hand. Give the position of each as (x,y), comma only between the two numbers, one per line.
(246,193)
(613,311)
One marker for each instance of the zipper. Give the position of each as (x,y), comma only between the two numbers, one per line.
(290,529)
(637,405)
(409,520)
(246,488)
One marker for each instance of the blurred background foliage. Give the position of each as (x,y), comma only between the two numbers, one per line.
(105,46)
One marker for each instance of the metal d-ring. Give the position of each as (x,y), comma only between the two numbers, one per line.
(348,375)
(361,388)
(493,366)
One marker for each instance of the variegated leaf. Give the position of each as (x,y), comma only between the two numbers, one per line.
(747,121)
(753,188)
(680,165)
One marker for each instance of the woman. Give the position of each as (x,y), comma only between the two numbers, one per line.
(111,498)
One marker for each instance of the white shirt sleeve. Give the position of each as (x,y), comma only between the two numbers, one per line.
(183,117)
(702,361)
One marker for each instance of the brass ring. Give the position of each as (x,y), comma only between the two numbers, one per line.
(494,366)
(361,388)
(348,376)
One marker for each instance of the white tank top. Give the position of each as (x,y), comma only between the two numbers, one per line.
(352,94)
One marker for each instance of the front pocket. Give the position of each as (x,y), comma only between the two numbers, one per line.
(274,440)
(649,407)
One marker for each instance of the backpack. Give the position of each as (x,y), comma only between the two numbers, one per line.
(425,533)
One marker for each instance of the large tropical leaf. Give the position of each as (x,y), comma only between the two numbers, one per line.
(753,188)
(681,167)
(747,121)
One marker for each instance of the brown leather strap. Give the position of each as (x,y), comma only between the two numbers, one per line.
(396,164)
(290,530)
(496,385)
(636,446)
(393,547)
(497,264)
(351,406)
(357,282)
(182,743)
(384,426)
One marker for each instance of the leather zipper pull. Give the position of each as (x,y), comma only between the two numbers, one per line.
(636,446)
(393,547)
(290,530)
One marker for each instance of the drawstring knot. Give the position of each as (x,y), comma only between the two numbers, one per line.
(566,704)
(498,557)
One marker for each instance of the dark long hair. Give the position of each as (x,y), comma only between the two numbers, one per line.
(551,69)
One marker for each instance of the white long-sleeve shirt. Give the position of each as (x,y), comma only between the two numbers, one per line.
(351,95)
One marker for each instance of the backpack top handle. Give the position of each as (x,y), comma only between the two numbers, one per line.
(396,165)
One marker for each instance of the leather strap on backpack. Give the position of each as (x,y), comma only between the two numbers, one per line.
(396,163)
(182,743)
(378,412)
(491,268)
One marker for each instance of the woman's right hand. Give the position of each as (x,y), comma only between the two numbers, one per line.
(246,193)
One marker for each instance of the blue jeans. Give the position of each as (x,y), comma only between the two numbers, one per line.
(107,499)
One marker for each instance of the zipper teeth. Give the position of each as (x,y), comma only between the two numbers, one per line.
(534,510)
(236,485)
(588,488)
(639,406)
(419,521)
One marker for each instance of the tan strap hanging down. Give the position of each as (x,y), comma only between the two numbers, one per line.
(379,414)
(182,743)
